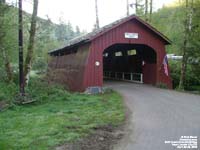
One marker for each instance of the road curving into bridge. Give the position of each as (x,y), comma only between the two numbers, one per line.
(157,117)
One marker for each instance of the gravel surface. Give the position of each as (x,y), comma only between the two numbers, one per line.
(157,115)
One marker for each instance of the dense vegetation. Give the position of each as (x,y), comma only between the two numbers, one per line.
(170,20)
(48,36)
(57,116)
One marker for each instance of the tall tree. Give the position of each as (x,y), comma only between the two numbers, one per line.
(77,32)
(139,7)
(186,38)
(146,10)
(20,43)
(136,7)
(127,7)
(97,15)
(29,56)
(151,10)
(61,31)
(7,65)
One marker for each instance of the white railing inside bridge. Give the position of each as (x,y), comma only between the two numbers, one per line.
(125,76)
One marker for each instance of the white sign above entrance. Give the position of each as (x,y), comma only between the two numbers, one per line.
(131,35)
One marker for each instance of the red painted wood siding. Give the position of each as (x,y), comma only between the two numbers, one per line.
(93,75)
(69,69)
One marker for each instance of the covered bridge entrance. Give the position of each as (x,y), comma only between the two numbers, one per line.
(128,49)
(128,62)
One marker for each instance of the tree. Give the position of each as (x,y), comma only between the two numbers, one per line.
(139,6)
(70,31)
(151,10)
(64,32)
(186,38)
(61,31)
(20,44)
(78,32)
(7,65)
(146,10)
(29,56)
(97,15)
(136,7)
(127,7)
(4,52)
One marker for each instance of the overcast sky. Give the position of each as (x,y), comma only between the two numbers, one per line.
(82,12)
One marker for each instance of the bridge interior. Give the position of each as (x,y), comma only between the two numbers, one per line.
(126,61)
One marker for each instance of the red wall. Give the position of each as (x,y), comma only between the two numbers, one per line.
(93,75)
(69,69)
(149,73)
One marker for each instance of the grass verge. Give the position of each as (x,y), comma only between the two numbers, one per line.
(57,117)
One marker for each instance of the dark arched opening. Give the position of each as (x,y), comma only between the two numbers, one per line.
(131,62)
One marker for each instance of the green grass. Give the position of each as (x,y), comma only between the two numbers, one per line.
(57,117)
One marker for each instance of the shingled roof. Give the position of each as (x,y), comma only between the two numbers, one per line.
(92,35)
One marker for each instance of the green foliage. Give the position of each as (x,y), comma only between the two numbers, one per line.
(40,64)
(3,75)
(7,91)
(64,32)
(8,27)
(170,21)
(49,36)
(58,116)
(192,78)
(175,71)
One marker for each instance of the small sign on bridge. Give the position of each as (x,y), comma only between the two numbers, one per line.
(129,35)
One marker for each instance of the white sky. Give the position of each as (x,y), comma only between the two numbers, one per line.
(82,12)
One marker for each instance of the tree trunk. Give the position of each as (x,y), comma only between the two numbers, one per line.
(97,15)
(29,56)
(7,65)
(183,65)
(127,7)
(188,28)
(136,7)
(146,10)
(151,10)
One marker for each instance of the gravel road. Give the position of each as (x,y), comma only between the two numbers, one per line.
(157,115)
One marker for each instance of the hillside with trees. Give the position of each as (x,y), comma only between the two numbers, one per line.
(180,22)
(48,36)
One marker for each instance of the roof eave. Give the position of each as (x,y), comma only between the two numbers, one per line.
(162,36)
(70,46)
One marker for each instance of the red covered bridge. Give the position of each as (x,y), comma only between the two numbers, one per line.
(128,49)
